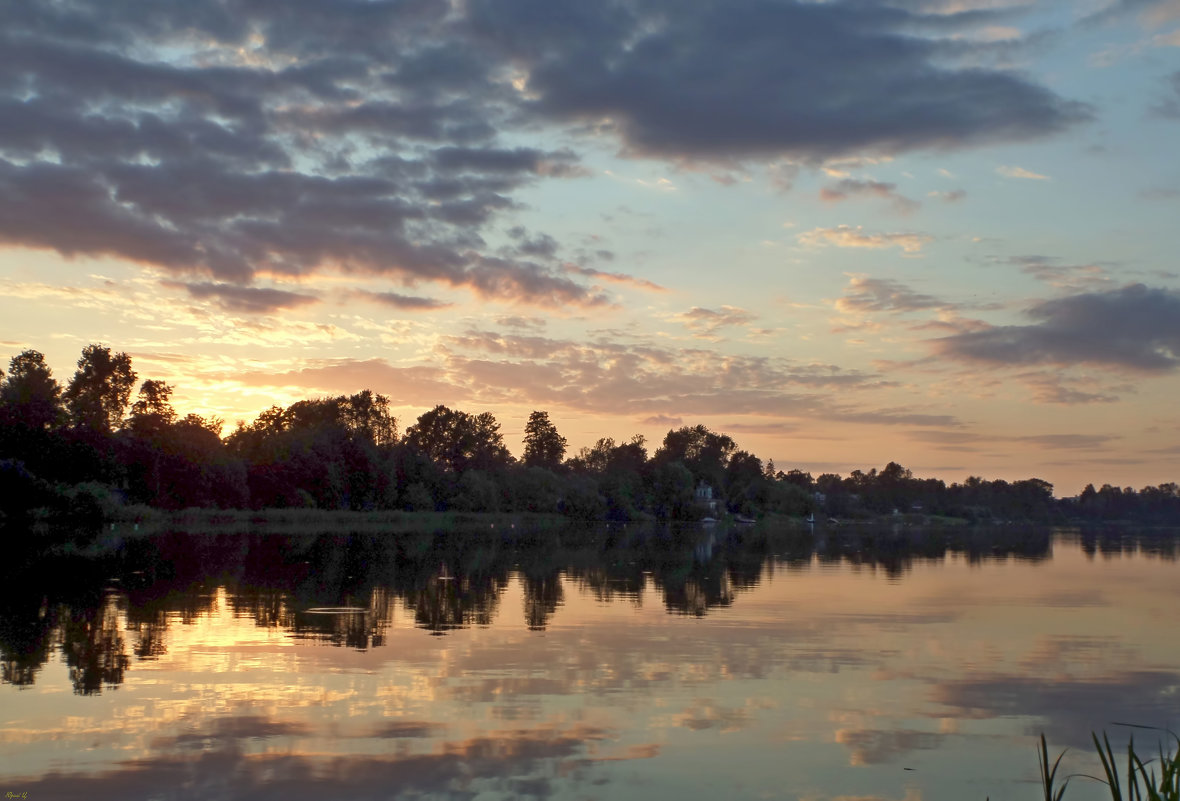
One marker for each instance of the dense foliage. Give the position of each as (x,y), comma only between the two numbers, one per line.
(71,452)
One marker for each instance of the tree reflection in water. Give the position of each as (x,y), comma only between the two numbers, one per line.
(104,614)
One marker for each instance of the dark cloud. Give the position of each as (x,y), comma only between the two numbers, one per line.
(1136,328)
(225,139)
(220,140)
(503,278)
(760,78)
(540,246)
(848,188)
(498,160)
(254,300)
(406,302)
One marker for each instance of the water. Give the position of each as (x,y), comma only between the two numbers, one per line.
(583,664)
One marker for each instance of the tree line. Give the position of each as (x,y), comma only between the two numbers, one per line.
(71,449)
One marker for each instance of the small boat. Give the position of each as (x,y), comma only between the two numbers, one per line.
(745,521)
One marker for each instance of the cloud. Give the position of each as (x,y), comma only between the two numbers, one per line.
(639,379)
(852,188)
(253,300)
(405,302)
(846,78)
(1150,13)
(524,323)
(561,163)
(1067,441)
(224,141)
(973,441)
(1074,277)
(953,196)
(845,236)
(405,386)
(1020,172)
(1052,387)
(282,144)
(1134,328)
(616,278)
(864,294)
(707,322)
(662,420)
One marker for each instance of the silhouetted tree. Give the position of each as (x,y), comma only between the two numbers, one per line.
(29,395)
(152,412)
(543,446)
(745,483)
(620,471)
(327,452)
(367,415)
(98,394)
(672,492)
(459,441)
(702,451)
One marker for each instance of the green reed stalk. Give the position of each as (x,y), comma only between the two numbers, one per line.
(1049,775)
(1141,781)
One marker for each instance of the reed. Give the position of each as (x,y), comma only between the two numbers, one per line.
(1049,774)
(1140,782)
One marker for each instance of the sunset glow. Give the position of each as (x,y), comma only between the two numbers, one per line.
(937,232)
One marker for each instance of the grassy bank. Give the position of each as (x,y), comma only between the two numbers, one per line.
(315,521)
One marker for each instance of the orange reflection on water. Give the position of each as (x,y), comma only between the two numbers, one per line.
(690,674)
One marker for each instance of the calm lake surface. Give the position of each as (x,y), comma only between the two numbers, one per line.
(597,663)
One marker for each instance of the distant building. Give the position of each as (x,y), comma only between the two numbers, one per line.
(704,497)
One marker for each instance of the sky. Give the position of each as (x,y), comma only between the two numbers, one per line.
(937,232)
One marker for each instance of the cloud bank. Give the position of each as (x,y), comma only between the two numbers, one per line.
(1135,328)
(221,141)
